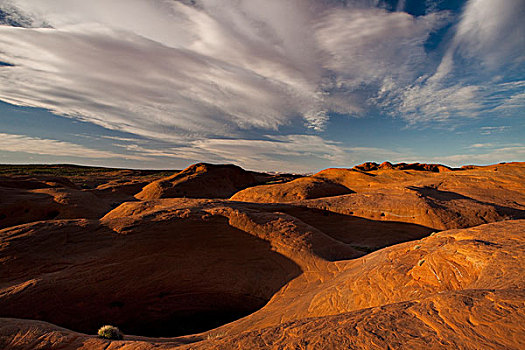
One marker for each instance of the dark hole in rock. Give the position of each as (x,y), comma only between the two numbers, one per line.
(161,280)
(226,308)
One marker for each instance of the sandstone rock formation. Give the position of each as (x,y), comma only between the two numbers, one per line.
(27,199)
(200,181)
(369,166)
(364,268)
(299,189)
(444,200)
(460,288)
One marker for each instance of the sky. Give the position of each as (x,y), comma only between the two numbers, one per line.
(270,85)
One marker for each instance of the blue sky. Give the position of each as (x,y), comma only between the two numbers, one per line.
(296,85)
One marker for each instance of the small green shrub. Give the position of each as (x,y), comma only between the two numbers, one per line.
(215,335)
(109,332)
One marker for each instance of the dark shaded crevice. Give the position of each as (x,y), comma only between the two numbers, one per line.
(363,234)
(228,308)
(162,280)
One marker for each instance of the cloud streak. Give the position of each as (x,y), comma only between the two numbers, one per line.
(166,68)
(490,156)
(35,145)
(488,38)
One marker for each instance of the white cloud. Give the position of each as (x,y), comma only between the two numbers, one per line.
(431,102)
(157,68)
(489,130)
(35,145)
(366,46)
(123,81)
(168,70)
(513,102)
(490,36)
(481,145)
(496,155)
(492,31)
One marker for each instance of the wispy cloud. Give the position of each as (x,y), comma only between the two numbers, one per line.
(492,33)
(160,69)
(489,130)
(489,38)
(489,156)
(481,145)
(301,153)
(35,145)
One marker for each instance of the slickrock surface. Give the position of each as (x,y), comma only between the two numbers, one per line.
(27,199)
(476,258)
(299,189)
(459,288)
(364,269)
(440,200)
(45,192)
(473,319)
(158,280)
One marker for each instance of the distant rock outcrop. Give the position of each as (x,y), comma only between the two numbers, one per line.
(369,166)
(200,181)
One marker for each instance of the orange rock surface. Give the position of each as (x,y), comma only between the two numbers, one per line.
(441,200)
(362,269)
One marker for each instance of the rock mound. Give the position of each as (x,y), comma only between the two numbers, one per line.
(480,258)
(28,199)
(299,189)
(200,181)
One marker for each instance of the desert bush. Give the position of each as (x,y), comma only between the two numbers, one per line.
(109,332)
(215,335)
